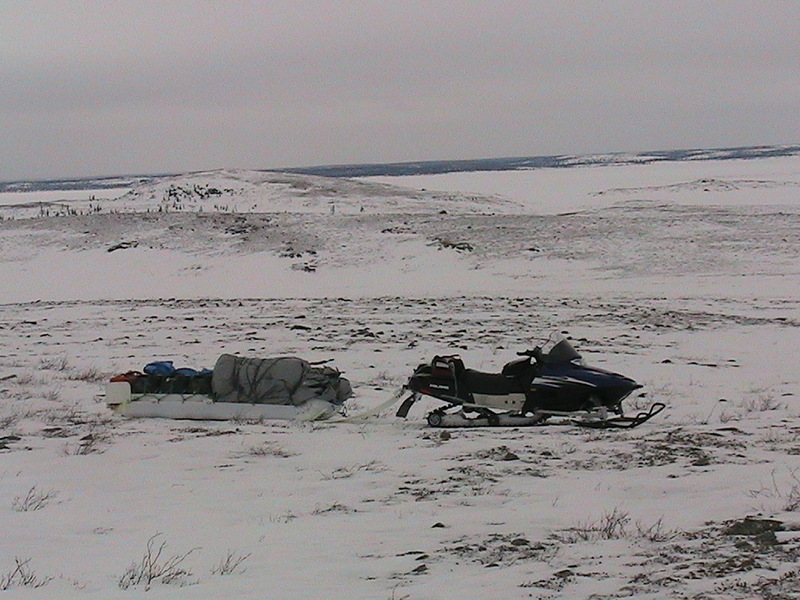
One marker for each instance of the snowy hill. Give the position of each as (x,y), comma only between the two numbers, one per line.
(265,192)
(237,191)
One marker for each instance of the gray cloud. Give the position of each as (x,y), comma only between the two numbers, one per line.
(93,88)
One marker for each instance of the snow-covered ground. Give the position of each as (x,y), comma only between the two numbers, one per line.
(682,275)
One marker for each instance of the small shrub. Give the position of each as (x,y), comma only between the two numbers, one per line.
(265,449)
(92,442)
(55,363)
(761,400)
(52,395)
(30,379)
(614,525)
(35,499)
(8,421)
(286,517)
(89,375)
(335,507)
(70,414)
(609,527)
(655,532)
(345,472)
(779,497)
(230,564)
(153,567)
(394,595)
(88,444)
(28,386)
(22,576)
(791,500)
(453,245)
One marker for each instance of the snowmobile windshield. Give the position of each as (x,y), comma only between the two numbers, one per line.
(562,352)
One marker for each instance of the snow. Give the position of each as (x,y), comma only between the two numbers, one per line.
(683,275)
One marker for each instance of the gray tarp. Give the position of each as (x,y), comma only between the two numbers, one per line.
(282,380)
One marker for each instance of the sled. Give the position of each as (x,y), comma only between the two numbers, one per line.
(201,407)
(283,388)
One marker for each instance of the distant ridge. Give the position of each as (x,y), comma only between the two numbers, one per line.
(432,167)
(86,183)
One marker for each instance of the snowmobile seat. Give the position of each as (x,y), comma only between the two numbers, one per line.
(447,366)
(487,383)
(517,367)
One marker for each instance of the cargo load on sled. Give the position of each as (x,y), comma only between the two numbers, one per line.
(236,388)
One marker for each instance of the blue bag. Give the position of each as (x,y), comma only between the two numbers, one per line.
(160,367)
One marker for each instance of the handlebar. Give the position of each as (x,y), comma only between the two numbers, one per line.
(535,353)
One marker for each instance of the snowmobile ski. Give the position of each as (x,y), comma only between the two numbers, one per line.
(623,422)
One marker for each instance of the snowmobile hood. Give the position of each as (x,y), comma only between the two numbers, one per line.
(561,353)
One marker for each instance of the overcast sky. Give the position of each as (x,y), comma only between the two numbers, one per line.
(132,87)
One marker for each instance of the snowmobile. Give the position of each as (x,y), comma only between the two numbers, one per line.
(548,381)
